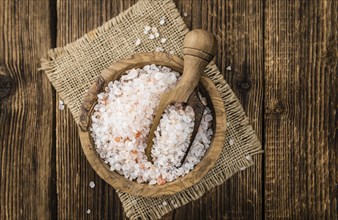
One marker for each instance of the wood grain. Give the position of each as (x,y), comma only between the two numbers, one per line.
(74,173)
(300,116)
(27,159)
(239,28)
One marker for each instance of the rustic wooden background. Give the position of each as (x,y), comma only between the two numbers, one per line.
(283,57)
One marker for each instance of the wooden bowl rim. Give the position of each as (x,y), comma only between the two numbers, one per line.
(115,179)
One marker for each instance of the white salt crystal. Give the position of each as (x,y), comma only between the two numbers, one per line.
(91,184)
(228,68)
(231,142)
(88,211)
(151,36)
(162,21)
(137,42)
(147,28)
(152,182)
(159,49)
(163,40)
(156,34)
(164,203)
(185,14)
(61,105)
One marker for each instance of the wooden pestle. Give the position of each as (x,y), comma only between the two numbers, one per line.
(199,48)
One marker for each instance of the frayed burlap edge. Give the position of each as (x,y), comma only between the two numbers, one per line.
(152,208)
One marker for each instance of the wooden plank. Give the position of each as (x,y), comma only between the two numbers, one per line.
(74,173)
(239,26)
(26,113)
(300,102)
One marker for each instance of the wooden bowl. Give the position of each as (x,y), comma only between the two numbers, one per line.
(118,181)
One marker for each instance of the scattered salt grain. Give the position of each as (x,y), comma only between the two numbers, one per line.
(164,203)
(147,28)
(151,36)
(91,184)
(163,40)
(231,142)
(162,21)
(61,105)
(159,49)
(137,42)
(121,122)
(156,34)
(228,68)
(88,211)
(185,14)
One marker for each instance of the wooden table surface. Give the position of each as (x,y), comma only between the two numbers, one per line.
(283,57)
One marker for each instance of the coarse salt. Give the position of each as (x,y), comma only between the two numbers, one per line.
(163,40)
(231,142)
(91,184)
(162,21)
(137,42)
(121,122)
(61,105)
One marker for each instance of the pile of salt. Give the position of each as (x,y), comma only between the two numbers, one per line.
(122,119)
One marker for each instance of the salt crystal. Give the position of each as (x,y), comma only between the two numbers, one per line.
(151,36)
(91,184)
(156,34)
(163,40)
(162,21)
(228,68)
(185,14)
(231,142)
(88,211)
(137,42)
(159,49)
(164,203)
(147,28)
(152,182)
(61,105)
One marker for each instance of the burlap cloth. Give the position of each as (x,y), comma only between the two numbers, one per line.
(72,69)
